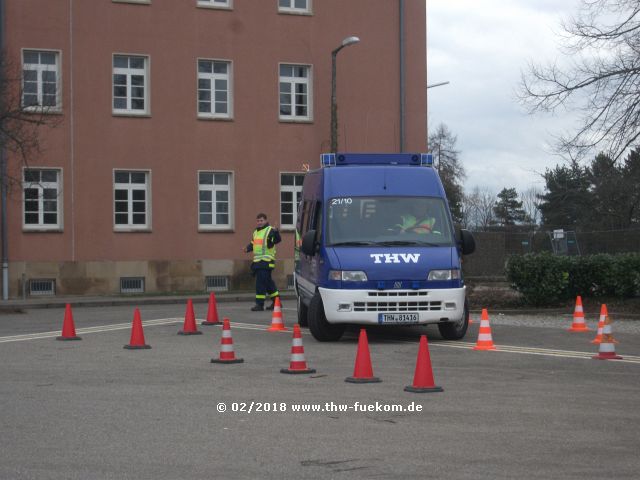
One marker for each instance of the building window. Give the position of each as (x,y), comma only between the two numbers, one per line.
(228,4)
(130,80)
(214,200)
(133,1)
(41,192)
(294,6)
(295,92)
(290,196)
(41,80)
(214,89)
(131,200)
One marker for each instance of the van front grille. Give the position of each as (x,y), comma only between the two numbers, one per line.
(424,306)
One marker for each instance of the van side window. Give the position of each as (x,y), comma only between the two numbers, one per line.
(305,217)
(317,220)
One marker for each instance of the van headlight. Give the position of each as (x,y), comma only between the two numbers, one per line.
(440,275)
(348,275)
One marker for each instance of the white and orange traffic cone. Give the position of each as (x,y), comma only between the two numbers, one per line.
(227,354)
(578,324)
(277,321)
(297,364)
(607,350)
(603,316)
(485,341)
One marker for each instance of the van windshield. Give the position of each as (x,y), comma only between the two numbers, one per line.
(355,221)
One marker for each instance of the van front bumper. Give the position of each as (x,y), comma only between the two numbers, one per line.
(412,306)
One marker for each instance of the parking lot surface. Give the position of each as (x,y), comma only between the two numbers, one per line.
(538,407)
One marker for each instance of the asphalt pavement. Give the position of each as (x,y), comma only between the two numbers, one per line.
(539,407)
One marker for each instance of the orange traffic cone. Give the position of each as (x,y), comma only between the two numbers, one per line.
(607,350)
(227,355)
(277,321)
(68,327)
(212,312)
(137,334)
(297,364)
(485,341)
(423,376)
(363,371)
(603,316)
(578,324)
(189,327)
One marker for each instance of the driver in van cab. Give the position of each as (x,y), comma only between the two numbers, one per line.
(419,221)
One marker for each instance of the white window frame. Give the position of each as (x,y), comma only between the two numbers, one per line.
(219,4)
(213,188)
(293,81)
(130,226)
(40,68)
(129,72)
(41,186)
(295,190)
(292,9)
(212,77)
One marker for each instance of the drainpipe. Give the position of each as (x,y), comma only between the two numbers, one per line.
(3,178)
(402,87)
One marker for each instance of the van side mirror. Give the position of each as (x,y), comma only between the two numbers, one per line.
(467,242)
(308,246)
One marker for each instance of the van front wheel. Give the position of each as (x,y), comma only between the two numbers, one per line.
(322,330)
(456,330)
(303,313)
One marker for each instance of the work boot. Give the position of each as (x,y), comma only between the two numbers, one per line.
(257,308)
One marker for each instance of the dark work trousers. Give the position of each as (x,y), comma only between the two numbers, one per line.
(264,285)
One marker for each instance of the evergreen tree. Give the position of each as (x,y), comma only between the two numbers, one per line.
(508,210)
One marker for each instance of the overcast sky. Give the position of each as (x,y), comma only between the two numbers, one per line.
(482,47)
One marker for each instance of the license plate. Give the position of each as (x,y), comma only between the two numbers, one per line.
(398,318)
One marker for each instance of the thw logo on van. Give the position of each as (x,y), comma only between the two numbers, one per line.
(395,257)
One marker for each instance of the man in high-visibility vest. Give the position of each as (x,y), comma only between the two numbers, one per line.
(263,245)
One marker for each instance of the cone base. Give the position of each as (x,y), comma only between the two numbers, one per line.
(297,370)
(607,357)
(277,329)
(485,348)
(182,332)
(137,347)
(211,323)
(411,388)
(232,360)
(362,380)
(68,338)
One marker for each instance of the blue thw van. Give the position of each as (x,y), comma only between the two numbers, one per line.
(378,247)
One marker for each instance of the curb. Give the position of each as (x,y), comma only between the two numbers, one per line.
(13,306)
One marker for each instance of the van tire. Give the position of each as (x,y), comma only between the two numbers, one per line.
(456,330)
(303,313)
(322,330)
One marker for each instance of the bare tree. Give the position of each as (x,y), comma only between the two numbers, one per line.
(478,208)
(601,79)
(20,125)
(531,204)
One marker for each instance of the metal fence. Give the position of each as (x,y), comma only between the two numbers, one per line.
(493,248)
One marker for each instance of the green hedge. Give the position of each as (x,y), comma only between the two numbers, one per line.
(548,279)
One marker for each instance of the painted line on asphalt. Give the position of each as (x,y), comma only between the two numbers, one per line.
(261,327)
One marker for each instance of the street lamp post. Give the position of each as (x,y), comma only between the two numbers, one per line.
(334,105)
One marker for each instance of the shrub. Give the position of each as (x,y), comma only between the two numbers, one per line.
(547,279)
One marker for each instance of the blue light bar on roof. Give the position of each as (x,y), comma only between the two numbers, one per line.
(327,160)
(426,159)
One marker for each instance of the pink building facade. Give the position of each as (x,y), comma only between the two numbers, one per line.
(177,121)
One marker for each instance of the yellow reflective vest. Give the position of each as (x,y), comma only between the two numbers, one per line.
(261,252)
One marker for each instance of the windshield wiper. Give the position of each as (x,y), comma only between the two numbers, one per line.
(352,244)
